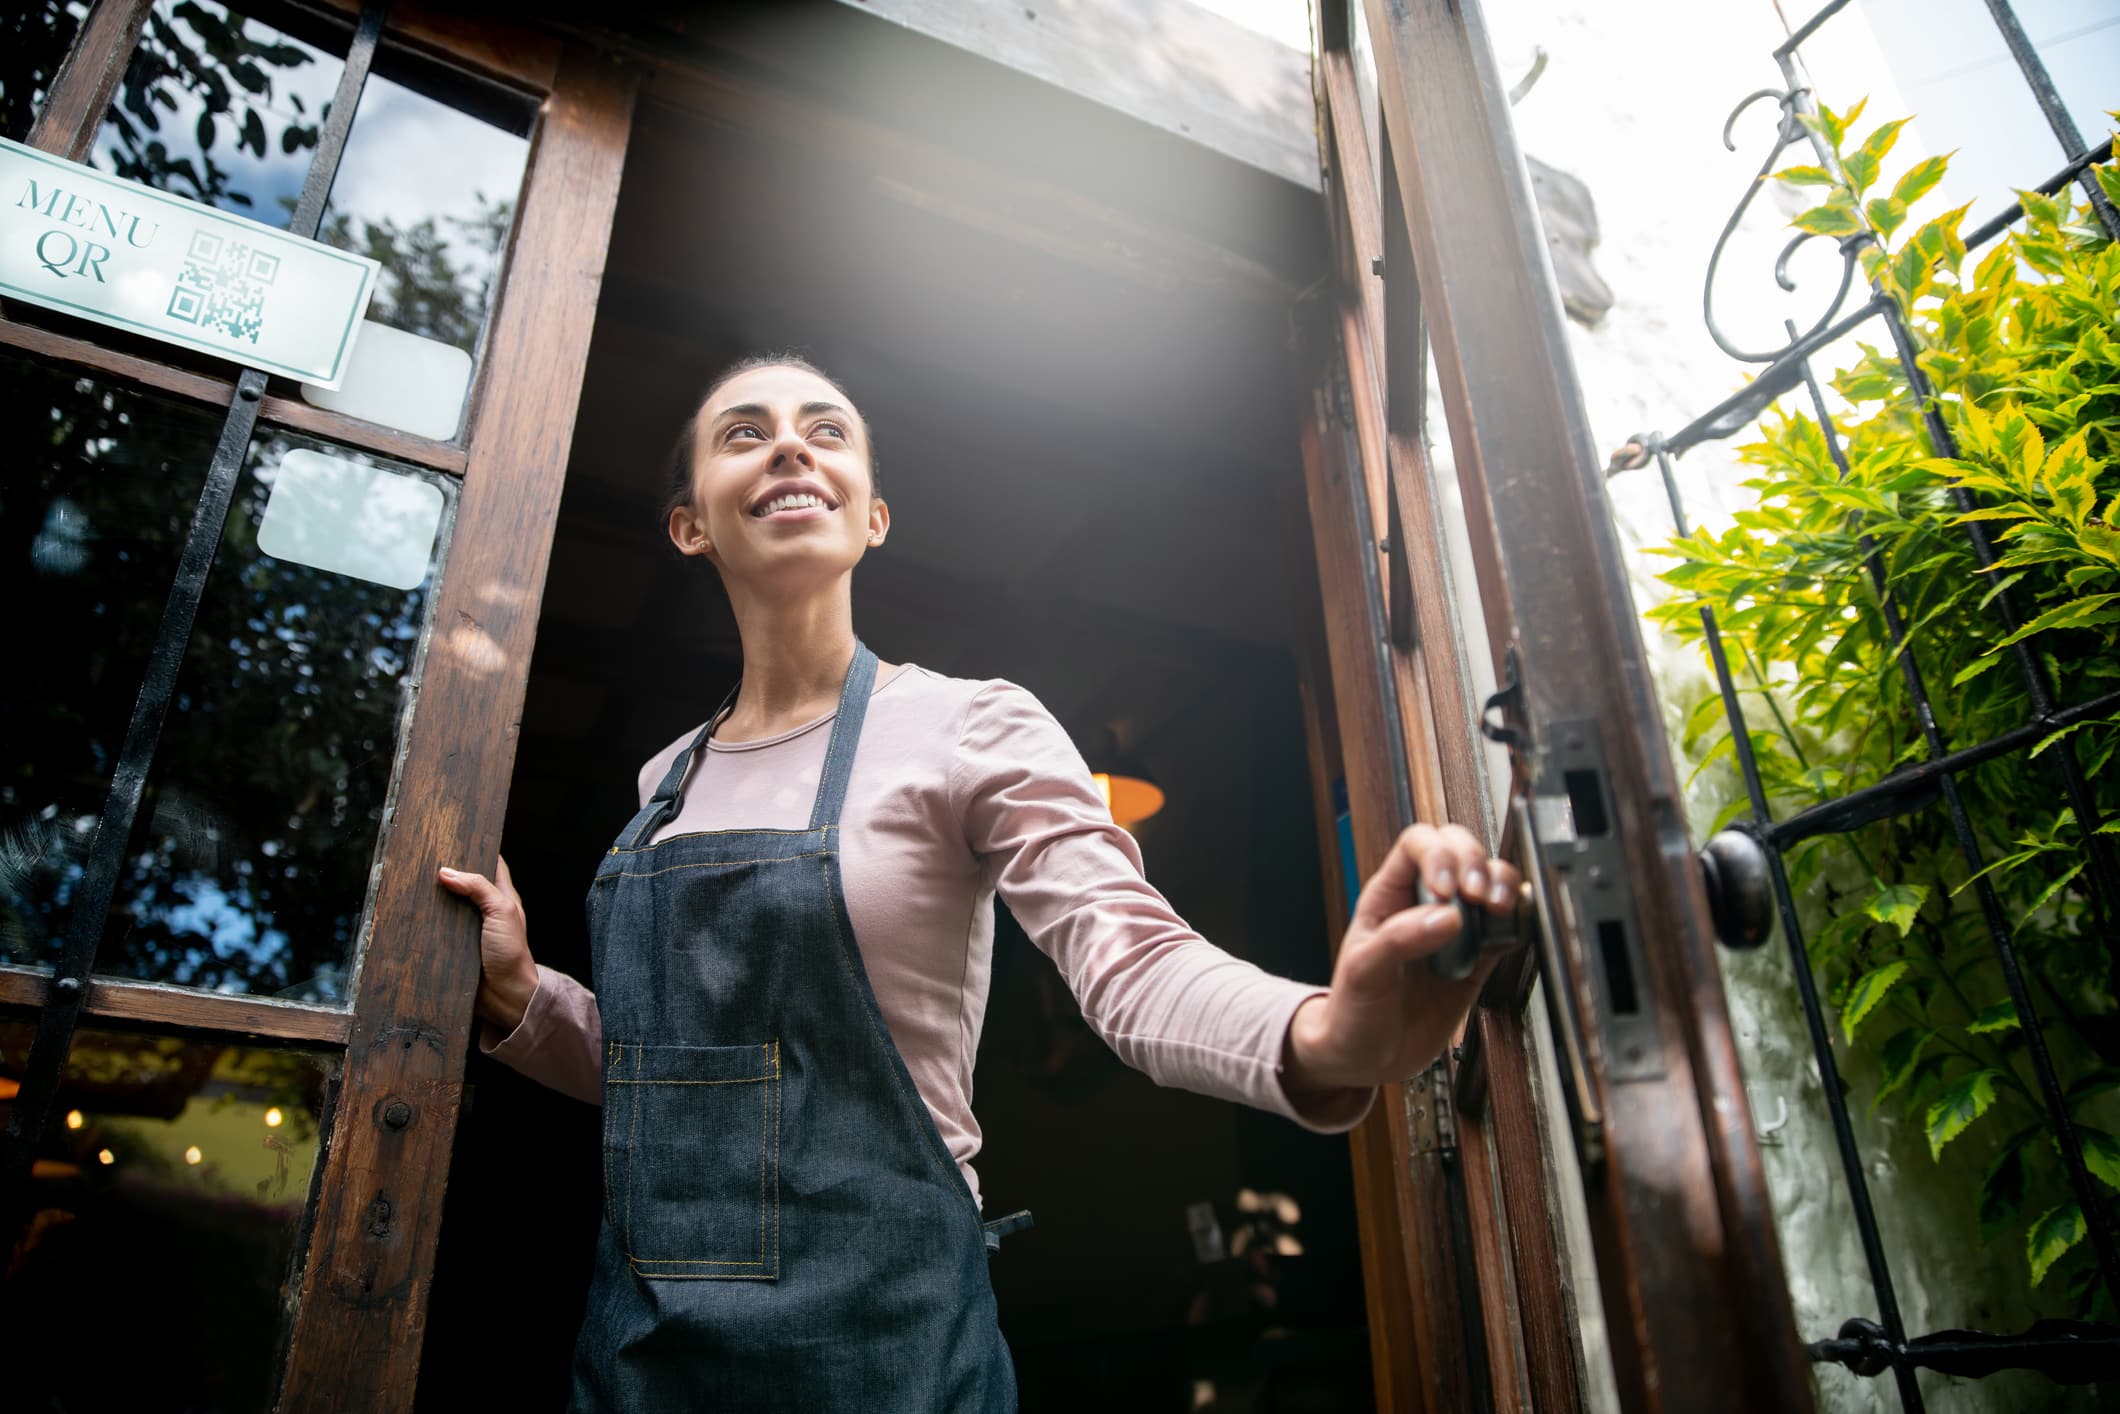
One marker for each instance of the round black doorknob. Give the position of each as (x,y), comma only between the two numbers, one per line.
(1740,890)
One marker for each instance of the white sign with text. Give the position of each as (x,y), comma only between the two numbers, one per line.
(83,242)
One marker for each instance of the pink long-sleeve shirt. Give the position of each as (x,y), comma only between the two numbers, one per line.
(961,790)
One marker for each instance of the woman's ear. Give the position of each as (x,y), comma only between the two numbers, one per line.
(879,521)
(688,533)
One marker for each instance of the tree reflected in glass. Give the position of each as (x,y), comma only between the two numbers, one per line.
(250,866)
(219,108)
(97,487)
(33,43)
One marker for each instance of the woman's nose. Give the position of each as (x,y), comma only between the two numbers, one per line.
(788,448)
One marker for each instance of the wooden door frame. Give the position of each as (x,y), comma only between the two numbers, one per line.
(366,1254)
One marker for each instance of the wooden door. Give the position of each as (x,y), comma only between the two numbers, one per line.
(1511,579)
(234,1006)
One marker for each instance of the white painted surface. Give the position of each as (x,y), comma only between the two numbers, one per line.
(401,380)
(352,518)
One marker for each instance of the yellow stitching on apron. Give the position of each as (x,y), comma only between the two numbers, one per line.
(714,864)
(710,834)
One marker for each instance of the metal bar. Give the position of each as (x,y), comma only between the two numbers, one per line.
(1851,1167)
(2002,221)
(1916,787)
(2048,97)
(1808,28)
(1742,408)
(70,976)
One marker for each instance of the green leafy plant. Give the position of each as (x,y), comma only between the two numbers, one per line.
(2023,352)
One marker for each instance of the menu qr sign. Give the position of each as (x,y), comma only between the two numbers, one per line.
(80,241)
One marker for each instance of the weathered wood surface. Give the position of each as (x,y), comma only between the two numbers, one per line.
(360,1320)
(214,391)
(186,1008)
(1168,63)
(1694,1292)
(73,109)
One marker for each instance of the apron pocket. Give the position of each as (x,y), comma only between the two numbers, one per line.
(692,1159)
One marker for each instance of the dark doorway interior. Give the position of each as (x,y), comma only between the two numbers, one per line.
(1091,472)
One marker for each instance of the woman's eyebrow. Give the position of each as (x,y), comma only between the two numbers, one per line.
(762,412)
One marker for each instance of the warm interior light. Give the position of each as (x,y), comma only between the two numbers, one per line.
(1130,799)
(192,1155)
(9,1087)
(75,1119)
(273,1117)
(105,1156)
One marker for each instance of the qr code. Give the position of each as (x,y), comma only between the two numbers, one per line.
(223,286)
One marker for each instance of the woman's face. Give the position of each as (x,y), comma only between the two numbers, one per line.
(781,497)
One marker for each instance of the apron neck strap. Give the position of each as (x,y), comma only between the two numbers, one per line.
(846,736)
(832,780)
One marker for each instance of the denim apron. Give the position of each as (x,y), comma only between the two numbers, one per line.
(783,1228)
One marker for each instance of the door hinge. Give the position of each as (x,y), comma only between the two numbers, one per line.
(1431,1118)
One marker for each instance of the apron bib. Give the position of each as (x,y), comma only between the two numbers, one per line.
(784,1228)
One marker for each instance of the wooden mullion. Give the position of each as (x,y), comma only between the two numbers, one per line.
(1408,1351)
(186,1008)
(73,107)
(363,1292)
(1510,1123)
(291,413)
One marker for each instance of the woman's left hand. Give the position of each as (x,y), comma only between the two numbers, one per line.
(1384,1020)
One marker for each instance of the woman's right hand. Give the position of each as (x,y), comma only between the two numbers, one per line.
(507,978)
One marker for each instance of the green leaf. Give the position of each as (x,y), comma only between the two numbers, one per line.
(1974,670)
(1864,996)
(2051,737)
(1963,1101)
(1902,1052)
(1898,905)
(1836,218)
(2077,613)
(2002,1190)
(1919,179)
(2101,1155)
(2047,894)
(2052,1234)
(2002,1016)
(1807,177)
(1887,214)
(2109,179)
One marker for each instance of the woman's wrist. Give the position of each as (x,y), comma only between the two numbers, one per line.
(1303,1068)
(502,1003)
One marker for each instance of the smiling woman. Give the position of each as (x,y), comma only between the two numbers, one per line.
(837,971)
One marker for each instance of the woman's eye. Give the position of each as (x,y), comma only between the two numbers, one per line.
(743,429)
(829,429)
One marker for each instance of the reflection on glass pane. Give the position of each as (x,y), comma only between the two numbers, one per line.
(401,380)
(220,108)
(249,869)
(427,189)
(34,39)
(352,518)
(167,1198)
(98,497)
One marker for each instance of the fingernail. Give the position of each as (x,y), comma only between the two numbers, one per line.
(1475,883)
(1500,892)
(447,872)
(1443,881)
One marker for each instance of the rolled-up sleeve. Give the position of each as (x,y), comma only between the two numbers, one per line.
(1169,1002)
(559,1040)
